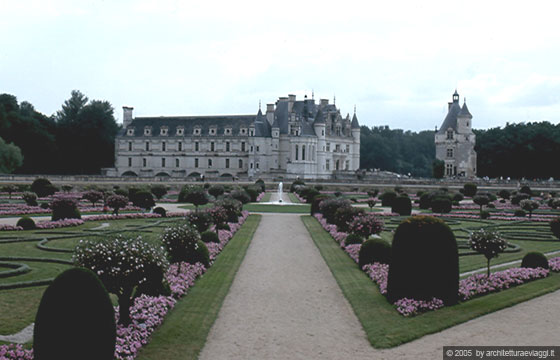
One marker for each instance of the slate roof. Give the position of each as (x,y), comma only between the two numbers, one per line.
(451,118)
(465,110)
(355,123)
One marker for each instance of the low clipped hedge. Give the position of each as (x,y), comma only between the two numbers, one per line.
(209,236)
(534,260)
(374,250)
(26,223)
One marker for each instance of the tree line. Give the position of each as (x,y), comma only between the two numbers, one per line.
(524,150)
(78,139)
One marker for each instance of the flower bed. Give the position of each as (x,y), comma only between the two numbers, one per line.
(261,195)
(148,312)
(474,285)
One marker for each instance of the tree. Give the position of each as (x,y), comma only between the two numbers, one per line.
(43,187)
(481,200)
(194,195)
(487,243)
(10,188)
(93,196)
(529,205)
(117,202)
(469,189)
(216,190)
(10,157)
(438,168)
(143,199)
(158,190)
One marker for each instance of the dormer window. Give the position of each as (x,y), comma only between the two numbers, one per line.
(213,131)
(251,132)
(227,131)
(243,131)
(197,131)
(147,131)
(130,131)
(163,131)
(180,131)
(449,134)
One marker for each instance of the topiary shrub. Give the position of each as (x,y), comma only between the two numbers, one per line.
(534,260)
(402,205)
(374,250)
(233,208)
(481,200)
(519,213)
(555,227)
(241,195)
(260,183)
(209,236)
(201,254)
(200,220)
(469,189)
(143,199)
(441,205)
(218,215)
(75,319)
(316,202)
(525,189)
(296,183)
(216,190)
(484,214)
(93,196)
(29,198)
(26,223)
(253,192)
(504,194)
(353,239)
(161,211)
(117,202)
(425,201)
(516,199)
(373,192)
(180,241)
(458,197)
(387,198)
(328,207)
(529,205)
(158,190)
(344,216)
(194,195)
(487,243)
(122,264)
(308,193)
(43,187)
(425,261)
(64,208)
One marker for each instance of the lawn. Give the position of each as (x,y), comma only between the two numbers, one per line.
(384,326)
(256,207)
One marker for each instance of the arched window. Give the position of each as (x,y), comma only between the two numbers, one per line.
(297,152)
(303,152)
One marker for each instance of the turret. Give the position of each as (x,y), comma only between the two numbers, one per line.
(355,127)
(270,113)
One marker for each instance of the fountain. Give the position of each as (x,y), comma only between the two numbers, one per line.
(280,192)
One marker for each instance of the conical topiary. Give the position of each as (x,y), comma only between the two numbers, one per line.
(75,320)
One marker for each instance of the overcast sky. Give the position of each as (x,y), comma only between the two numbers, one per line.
(398,61)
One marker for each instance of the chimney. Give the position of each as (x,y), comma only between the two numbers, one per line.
(270,113)
(449,105)
(292,99)
(324,102)
(127,116)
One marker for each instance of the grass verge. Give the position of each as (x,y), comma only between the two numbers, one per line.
(185,329)
(384,327)
(255,207)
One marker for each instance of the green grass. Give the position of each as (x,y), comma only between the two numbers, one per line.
(186,328)
(384,327)
(266,197)
(293,198)
(19,307)
(256,207)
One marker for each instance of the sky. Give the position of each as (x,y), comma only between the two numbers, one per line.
(397,62)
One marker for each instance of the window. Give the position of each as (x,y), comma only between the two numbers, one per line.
(163,146)
(449,153)
(243,146)
(327,164)
(347,165)
(209,163)
(303,152)
(213,131)
(328,146)
(177,163)
(195,162)
(227,131)
(227,163)
(257,148)
(180,131)
(467,124)
(240,164)
(147,146)
(252,132)
(243,131)
(144,162)
(449,134)
(347,147)
(129,162)
(197,131)
(147,131)
(252,148)
(297,152)
(322,132)
(162,162)
(212,146)
(257,165)
(227,145)
(196,147)
(449,169)
(163,131)
(130,132)
(251,165)
(180,146)
(337,148)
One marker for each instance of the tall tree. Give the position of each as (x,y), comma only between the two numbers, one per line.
(10,157)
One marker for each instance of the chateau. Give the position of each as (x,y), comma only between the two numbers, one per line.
(294,138)
(455,141)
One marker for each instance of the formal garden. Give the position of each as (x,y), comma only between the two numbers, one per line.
(410,264)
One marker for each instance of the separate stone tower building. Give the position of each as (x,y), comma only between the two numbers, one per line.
(294,138)
(455,141)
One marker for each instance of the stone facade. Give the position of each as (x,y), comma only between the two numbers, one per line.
(294,138)
(455,141)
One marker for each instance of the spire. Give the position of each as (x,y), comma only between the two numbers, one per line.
(355,123)
(465,110)
(455,96)
(312,94)
(259,104)
(334,99)
(319,118)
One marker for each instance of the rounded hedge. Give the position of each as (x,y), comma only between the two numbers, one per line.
(519,213)
(209,236)
(353,239)
(344,216)
(534,260)
(201,254)
(484,214)
(441,205)
(469,189)
(402,205)
(26,223)
(64,208)
(555,227)
(161,211)
(374,250)
(200,219)
(315,203)
(180,241)
(387,198)
(425,261)
(75,319)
